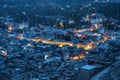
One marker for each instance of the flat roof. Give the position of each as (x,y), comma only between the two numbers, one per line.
(88,67)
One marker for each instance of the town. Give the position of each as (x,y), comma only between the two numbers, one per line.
(60,40)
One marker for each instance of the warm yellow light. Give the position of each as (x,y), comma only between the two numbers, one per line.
(10,28)
(20,36)
(35,39)
(83,30)
(79,45)
(4,53)
(89,46)
(75,57)
(29,45)
(82,56)
(61,24)
(60,45)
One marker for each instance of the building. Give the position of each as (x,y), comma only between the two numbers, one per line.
(87,71)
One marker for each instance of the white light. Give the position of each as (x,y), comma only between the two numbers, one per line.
(46,56)
(24,13)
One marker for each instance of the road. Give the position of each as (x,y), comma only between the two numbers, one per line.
(100,74)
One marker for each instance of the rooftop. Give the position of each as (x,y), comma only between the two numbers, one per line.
(88,67)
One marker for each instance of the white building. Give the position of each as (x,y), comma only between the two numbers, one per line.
(87,72)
